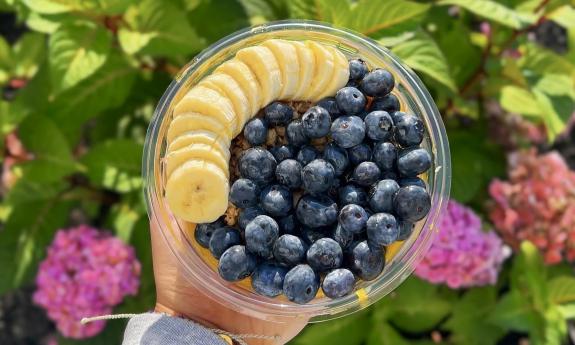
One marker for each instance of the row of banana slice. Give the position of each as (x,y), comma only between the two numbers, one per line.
(216,109)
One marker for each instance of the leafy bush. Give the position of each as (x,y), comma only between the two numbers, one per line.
(80,85)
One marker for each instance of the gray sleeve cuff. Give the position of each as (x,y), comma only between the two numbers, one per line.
(160,329)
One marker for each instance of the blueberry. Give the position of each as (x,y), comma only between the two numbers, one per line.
(222,239)
(388,103)
(283,152)
(389,175)
(288,173)
(348,131)
(412,181)
(288,224)
(244,193)
(384,155)
(316,211)
(317,176)
(343,237)
(289,250)
(411,203)
(352,218)
(330,105)
(236,264)
(301,284)
(366,174)
(333,191)
(276,200)
(324,254)
(413,162)
(350,100)
(278,114)
(256,131)
(378,125)
(396,116)
(337,157)
(405,230)
(307,154)
(359,153)
(382,229)
(311,235)
(203,232)
(261,233)
(365,261)
(381,196)
(258,165)
(409,130)
(338,283)
(378,82)
(268,279)
(316,122)
(248,214)
(352,194)
(295,134)
(357,69)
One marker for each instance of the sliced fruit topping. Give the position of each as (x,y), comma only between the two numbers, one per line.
(265,67)
(177,158)
(197,191)
(306,60)
(324,63)
(228,86)
(201,136)
(244,76)
(288,61)
(195,121)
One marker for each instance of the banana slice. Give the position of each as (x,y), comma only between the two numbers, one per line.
(201,137)
(244,76)
(204,152)
(263,63)
(209,102)
(323,69)
(306,60)
(340,73)
(195,121)
(287,58)
(226,85)
(197,192)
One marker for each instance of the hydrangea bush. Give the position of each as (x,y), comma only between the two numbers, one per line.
(74,112)
(86,273)
(537,204)
(462,254)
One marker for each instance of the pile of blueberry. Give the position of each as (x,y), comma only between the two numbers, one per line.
(315,214)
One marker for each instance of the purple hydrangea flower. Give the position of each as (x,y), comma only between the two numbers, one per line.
(462,255)
(86,273)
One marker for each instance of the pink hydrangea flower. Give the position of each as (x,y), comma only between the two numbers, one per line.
(537,204)
(86,273)
(462,255)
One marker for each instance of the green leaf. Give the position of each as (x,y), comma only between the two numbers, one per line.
(568,311)
(115,165)
(380,18)
(25,237)
(164,26)
(564,16)
(562,290)
(538,60)
(215,19)
(529,275)
(260,11)
(416,306)
(349,330)
(6,59)
(468,324)
(107,88)
(45,23)
(303,9)
(51,6)
(385,334)
(77,50)
(515,99)
(493,11)
(133,41)
(53,158)
(512,313)
(29,53)
(422,54)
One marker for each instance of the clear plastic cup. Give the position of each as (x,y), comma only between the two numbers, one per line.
(197,266)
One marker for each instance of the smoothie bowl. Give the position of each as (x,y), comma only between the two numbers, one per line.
(296,169)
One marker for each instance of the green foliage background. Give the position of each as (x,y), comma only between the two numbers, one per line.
(94,69)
